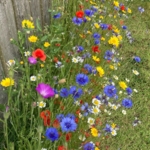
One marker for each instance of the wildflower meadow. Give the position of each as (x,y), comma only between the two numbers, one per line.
(82,81)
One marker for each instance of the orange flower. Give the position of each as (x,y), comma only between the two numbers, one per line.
(39,53)
(45,114)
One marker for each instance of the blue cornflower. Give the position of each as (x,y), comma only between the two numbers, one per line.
(104,26)
(67,124)
(124,27)
(60,117)
(110,90)
(127,103)
(86,109)
(88,67)
(108,55)
(96,35)
(137,59)
(108,128)
(129,90)
(94,8)
(64,92)
(89,146)
(76,92)
(57,16)
(71,116)
(141,9)
(80,48)
(52,134)
(82,79)
(89,12)
(77,21)
(97,41)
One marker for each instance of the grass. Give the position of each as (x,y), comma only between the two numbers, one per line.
(130,137)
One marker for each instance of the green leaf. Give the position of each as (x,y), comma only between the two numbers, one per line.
(44,38)
(38,25)
(55,40)
(2,107)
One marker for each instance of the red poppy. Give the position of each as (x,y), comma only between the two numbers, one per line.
(56,123)
(68,137)
(109,27)
(61,148)
(122,7)
(76,120)
(45,114)
(47,121)
(39,53)
(55,59)
(80,14)
(95,49)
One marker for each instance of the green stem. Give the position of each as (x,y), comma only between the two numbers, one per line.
(6,133)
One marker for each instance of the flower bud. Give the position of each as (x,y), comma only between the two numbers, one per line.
(62,81)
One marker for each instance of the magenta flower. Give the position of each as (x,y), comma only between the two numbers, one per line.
(45,90)
(32,60)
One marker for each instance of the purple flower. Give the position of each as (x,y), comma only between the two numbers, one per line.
(127,103)
(110,90)
(89,146)
(77,21)
(57,16)
(108,55)
(108,128)
(129,90)
(64,92)
(96,35)
(32,60)
(45,90)
(82,79)
(137,59)
(52,134)
(89,12)
(67,124)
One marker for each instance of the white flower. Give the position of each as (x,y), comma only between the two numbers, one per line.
(127,80)
(124,112)
(120,92)
(135,90)
(135,72)
(105,110)
(113,132)
(75,60)
(41,104)
(10,63)
(109,104)
(44,149)
(82,137)
(96,102)
(33,78)
(109,113)
(95,110)
(91,121)
(114,107)
(27,53)
(80,59)
(77,103)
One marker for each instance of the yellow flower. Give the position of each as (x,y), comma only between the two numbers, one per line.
(111,67)
(96,148)
(100,71)
(119,37)
(89,32)
(116,30)
(27,24)
(96,59)
(123,85)
(7,82)
(33,38)
(114,41)
(42,65)
(88,18)
(116,3)
(93,3)
(96,25)
(114,16)
(101,17)
(129,11)
(94,132)
(113,125)
(21,62)
(47,44)
(102,38)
